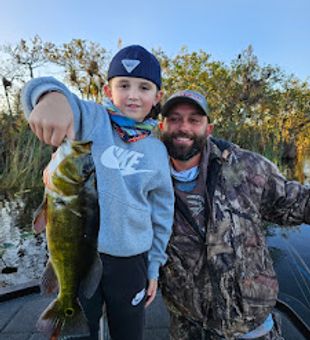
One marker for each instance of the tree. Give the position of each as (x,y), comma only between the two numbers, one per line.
(10,76)
(255,106)
(29,55)
(84,64)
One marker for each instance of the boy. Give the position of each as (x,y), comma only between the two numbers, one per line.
(133,180)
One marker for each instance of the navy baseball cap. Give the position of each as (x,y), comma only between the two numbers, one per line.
(186,96)
(135,61)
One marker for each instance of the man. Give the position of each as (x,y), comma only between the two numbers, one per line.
(219,280)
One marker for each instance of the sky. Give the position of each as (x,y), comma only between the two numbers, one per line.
(278,30)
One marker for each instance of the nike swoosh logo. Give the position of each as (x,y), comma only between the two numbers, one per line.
(138,298)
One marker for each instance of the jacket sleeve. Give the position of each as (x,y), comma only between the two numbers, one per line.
(285,202)
(162,202)
(84,112)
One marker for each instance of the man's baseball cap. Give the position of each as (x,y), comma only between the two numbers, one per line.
(186,96)
(135,61)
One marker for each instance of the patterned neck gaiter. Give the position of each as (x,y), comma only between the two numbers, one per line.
(128,129)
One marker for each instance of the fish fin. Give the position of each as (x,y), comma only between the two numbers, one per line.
(51,319)
(92,279)
(49,282)
(39,217)
(75,325)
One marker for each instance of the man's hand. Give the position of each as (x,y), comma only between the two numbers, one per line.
(52,119)
(151,292)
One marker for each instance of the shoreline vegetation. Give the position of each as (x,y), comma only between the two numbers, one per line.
(256,106)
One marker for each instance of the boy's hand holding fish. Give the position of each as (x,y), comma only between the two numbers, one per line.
(52,119)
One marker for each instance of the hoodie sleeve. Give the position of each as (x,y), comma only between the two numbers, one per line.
(162,200)
(84,112)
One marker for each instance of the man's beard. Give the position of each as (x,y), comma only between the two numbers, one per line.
(183,152)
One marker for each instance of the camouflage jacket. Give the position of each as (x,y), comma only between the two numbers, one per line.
(226,281)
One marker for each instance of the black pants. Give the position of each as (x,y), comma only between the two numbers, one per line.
(123,290)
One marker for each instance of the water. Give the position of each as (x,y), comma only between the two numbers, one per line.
(291,255)
(22,253)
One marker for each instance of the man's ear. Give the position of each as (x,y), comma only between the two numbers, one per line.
(210,129)
(107,91)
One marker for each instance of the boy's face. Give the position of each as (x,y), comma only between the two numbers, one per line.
(135,97)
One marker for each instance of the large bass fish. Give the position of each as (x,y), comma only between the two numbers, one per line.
(70,213)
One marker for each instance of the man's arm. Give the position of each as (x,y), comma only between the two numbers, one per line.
(285,202)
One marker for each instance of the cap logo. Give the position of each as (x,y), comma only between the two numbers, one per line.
(192,95)
(130,64)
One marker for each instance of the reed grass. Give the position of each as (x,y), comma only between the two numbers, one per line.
(23,158)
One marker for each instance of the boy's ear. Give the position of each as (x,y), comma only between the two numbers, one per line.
(107,91)
(159,95)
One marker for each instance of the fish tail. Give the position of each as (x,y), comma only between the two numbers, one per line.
(56,321)
(75,323)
